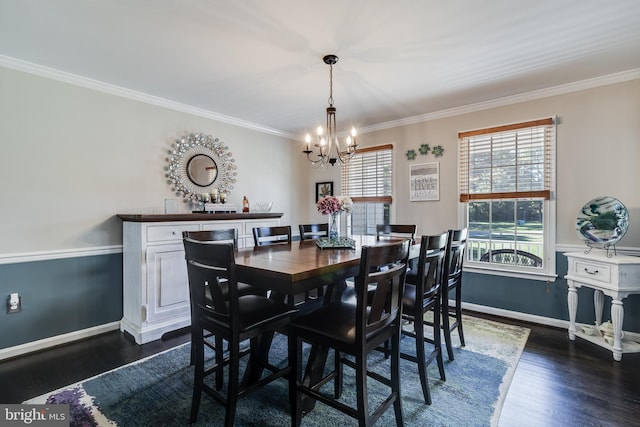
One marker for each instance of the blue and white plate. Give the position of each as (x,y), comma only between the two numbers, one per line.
(602,221)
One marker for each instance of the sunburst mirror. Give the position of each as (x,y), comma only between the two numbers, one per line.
(199,163)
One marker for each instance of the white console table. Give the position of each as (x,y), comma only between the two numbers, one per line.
(155,283)
(616,277)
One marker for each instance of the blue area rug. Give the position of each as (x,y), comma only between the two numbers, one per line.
(157,391)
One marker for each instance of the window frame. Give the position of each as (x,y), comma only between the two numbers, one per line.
(548,272)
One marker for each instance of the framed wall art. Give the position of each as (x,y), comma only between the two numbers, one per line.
(424,182)
(323,189)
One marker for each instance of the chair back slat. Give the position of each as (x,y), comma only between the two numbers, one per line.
(208,266)
(383,266)
(221,235)
(457,245)
(431,262)
(264,236)
(313,231)
(396,230)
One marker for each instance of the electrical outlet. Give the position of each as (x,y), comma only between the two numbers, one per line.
(14,303)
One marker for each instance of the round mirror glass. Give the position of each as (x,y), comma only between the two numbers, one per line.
(202,170)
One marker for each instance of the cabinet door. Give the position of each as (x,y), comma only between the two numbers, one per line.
(167,283)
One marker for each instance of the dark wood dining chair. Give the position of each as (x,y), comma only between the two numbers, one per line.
(396,230)
(233,318)
(419,298)
(263,236)
(356,330)
(452,309)
(310,232)
(226,235)
(313,231)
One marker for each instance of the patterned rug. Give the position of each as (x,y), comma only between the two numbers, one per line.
(157,391)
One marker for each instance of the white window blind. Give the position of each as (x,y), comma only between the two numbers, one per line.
(367,177)
(506,162)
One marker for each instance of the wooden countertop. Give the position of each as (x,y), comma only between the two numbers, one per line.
(195,216)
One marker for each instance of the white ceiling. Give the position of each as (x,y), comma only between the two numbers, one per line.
(260,61)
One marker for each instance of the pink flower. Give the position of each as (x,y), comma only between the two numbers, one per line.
(330,204)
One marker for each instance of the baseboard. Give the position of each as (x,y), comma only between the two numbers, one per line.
(7,353)
(532,318)
(18,350)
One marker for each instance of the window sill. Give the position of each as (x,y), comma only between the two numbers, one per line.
(542,276)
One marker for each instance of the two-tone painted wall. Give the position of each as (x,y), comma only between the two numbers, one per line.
(76,152)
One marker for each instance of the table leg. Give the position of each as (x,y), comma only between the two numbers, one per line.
(617,316)
(598,303)
(259,351)
(572,301)
(318,354)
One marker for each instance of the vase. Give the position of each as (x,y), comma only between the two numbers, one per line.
(333,227)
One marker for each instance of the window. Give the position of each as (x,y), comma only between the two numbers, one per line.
(506,183)
(367,179)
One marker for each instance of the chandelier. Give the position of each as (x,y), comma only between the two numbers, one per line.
(326,150)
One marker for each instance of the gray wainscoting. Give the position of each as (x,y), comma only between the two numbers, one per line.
(60,296)
(543,299)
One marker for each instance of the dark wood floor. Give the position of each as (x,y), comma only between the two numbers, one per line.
(556,383)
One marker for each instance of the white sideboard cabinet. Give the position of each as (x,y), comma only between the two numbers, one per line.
(156,290)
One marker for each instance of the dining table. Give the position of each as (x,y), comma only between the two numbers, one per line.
(291,269)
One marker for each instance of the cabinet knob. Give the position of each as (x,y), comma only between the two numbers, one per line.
(591,272)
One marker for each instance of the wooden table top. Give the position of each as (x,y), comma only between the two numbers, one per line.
(299,266)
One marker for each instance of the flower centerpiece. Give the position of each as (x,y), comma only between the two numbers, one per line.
(333,206)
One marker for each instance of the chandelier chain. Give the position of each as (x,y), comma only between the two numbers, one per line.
(330,85)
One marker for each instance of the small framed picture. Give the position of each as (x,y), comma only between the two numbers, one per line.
(424,182)
(323,189)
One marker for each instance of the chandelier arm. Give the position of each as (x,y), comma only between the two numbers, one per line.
(320,160)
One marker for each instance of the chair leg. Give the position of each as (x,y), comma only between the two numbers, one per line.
(395,378)
(446,323)
(337,384)
(362,400)
(459,314)
(437,342)
(219,343)
(197,352)
(418,328)
(234,378)
(295,398)
(193,347)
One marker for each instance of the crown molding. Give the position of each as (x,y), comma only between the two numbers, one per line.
(74,79)
(509,100)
